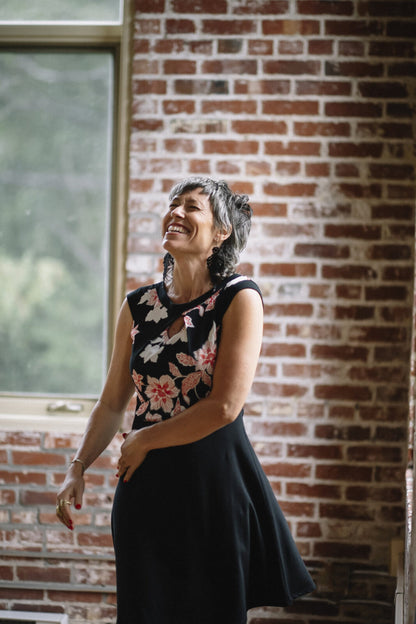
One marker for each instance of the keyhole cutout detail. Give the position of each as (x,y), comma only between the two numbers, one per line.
(176,326)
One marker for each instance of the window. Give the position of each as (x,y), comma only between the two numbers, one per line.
(62,177)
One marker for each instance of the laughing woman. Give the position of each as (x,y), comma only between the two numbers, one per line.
(198,534)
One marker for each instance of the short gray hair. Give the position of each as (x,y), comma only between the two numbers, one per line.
(231,212)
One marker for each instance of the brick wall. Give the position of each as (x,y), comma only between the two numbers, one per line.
(306,106)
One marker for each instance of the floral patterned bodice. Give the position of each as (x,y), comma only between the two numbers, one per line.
(170,373)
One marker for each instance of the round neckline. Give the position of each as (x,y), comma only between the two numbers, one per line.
(168,303)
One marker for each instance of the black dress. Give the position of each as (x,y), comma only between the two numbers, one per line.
(198,535)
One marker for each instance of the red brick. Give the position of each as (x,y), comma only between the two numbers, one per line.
(323,87)
(290,47)
(285,168)
(340,352)
(389,252)
(384,90)
(292,148)
(230,147)
(392,171)
(317,170)
(143,6)
(180,145)
(18,438)
(342,392)
(353,109)
(359,231)
(261,87)
(320,46)
(226,27)
(288,269)
(259,127)
(281,107)
(376,494)
(385,293)
(255,168)
(38,458)
(145,66)
(297,189)
(354,69)
(354,28)
(391,48)
(221,67)
(147,27)
(323,7)
(261,7)
(269,209)
(199,6)
(348,271)
(318,451)
(260,46)
(175,107)
(180,26)
(184,86)
(276,349)
(355,150)
(385,9)
(342,550)
(235,107)
(309,128)
(279,428)
(290,27)
(289,309)
(351,48)
(179,67)
(321,250)
(287,470)
(47,574)
(291,67)
(279,390)
(157,87)
(298,509)
(375,454)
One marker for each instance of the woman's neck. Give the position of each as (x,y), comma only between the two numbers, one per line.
(188,283)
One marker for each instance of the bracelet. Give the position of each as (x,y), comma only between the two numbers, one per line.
(81,462)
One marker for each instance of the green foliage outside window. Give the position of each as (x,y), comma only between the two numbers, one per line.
(55,152)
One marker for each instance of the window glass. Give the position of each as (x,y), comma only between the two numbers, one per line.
(60,10)
(55,172)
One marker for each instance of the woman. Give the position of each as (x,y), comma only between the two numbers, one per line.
(198,535)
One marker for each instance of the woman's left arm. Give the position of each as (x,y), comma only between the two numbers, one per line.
(235,367)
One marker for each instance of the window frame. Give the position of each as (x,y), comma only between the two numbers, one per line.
(56,412)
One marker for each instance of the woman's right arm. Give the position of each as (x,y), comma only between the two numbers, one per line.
(105,419)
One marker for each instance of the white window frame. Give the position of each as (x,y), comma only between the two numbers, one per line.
(43,413)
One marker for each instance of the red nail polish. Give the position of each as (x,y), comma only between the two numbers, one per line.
(78,506)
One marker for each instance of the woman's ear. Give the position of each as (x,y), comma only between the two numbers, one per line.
(222,235)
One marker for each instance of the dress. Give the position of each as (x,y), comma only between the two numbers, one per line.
(198,535)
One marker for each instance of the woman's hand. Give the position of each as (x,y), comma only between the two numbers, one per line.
(71,491)
(132,454)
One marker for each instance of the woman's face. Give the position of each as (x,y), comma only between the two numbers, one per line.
(188,226)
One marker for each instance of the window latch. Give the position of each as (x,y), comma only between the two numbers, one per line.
(64,406)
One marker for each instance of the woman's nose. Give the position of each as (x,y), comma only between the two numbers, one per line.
(177,211)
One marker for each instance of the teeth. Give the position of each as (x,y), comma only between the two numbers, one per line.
(176,228)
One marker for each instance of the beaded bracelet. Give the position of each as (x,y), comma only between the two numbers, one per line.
(81,462)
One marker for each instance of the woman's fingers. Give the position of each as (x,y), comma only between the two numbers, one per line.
(63,514)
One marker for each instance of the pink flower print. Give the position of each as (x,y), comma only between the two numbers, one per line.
(138,380)
(143,407)
(154,418)
(161,392)
(205,356)
(211,301)
(134,332)
(188,321)
(189,383)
